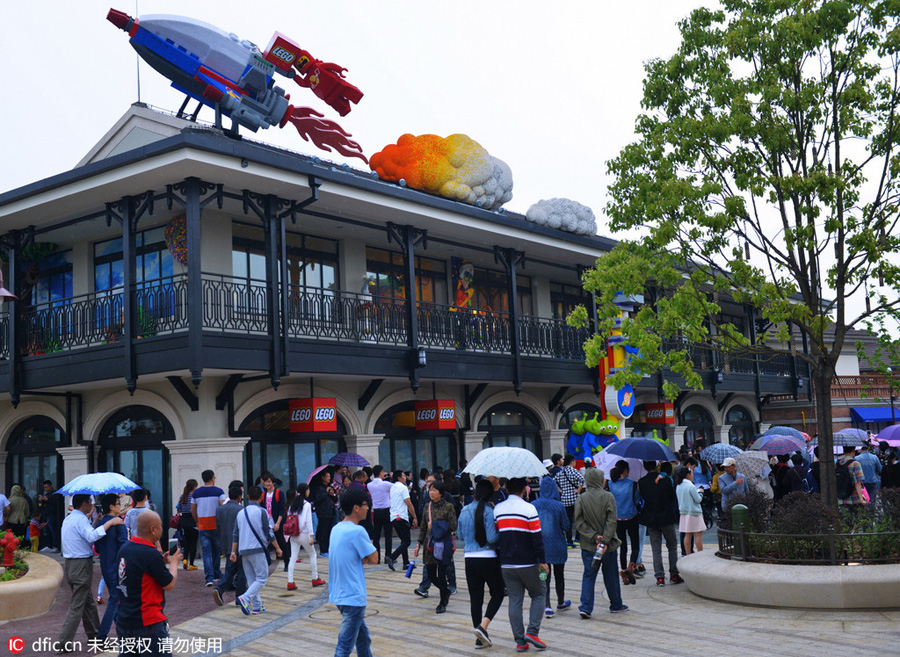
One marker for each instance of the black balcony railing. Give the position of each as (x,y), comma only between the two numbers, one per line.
(234,305)
(730,363)
(345,316)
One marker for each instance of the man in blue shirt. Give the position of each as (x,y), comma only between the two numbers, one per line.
(77,538)
(871,469)
(350,548)
(731,482)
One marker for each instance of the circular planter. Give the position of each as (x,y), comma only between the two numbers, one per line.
(775,585)
(33,594)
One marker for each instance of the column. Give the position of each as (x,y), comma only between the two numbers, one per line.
(553,441)
(720,433)
(366,445)
(190,457)
(474,442)
(678,438)
(4,485)
(764,426)
(75,461)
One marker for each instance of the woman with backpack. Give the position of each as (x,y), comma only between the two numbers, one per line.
(627,504)
(299,519)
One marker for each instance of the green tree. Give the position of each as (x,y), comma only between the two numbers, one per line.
(765,171)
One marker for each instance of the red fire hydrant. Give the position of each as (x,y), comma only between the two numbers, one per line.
(9,543)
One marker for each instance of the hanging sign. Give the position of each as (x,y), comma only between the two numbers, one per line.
(435,414)
(620,403)
(659,413)
(313,414)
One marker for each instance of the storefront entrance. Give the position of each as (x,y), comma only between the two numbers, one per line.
(404,448)
(511,425)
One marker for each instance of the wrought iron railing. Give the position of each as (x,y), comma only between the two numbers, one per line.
(345,316)
(810,549)
(162,306)
(551,337)
(235,305)
(449,327)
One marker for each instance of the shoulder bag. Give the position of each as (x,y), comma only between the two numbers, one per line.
(264,546)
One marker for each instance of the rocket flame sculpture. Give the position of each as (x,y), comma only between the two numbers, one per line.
(231,75)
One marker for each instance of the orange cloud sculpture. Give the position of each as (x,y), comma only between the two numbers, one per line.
(456,167)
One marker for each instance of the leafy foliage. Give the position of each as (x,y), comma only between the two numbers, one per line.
(758,504)
(803,513)
(766,175)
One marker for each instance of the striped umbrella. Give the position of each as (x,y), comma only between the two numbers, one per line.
(718,452)
(779,444)
(787,431)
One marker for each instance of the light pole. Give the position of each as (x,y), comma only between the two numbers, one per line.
(891,391)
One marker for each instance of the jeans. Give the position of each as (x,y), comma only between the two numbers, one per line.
(212,553)
(154,632)
(112,609)
(233,578)
(656,535)
(382,520)
(570,514)
(610,580)
(628,529)
(402,528)
(518,581)
(256,570)
(642,534)
(353,632)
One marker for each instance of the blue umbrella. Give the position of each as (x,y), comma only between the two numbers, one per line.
(859,434)
(645,449)
(718,452)
(786,431)
(98,483)
(350,459)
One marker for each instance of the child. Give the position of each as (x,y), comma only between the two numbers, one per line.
(34,531)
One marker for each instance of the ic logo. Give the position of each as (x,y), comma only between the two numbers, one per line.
(15,645)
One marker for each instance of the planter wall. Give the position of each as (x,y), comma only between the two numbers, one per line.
(33,594)
(809,587)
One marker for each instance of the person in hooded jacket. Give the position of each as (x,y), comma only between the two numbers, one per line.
(19,511)
(554,524)
(595,522)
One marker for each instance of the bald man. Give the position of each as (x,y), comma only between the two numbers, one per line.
(144,574)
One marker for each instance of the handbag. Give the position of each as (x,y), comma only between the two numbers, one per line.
(291,526)
(174,520)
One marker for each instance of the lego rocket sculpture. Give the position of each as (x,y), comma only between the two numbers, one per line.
(232,76)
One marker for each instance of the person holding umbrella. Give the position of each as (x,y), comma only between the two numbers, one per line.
(78,538)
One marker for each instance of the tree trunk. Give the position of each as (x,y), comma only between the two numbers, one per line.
(823,376)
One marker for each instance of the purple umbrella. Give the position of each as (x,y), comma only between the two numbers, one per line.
(780,445)
(315,472)
(350,459)
(891,435)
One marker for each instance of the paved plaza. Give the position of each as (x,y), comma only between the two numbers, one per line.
(664,622)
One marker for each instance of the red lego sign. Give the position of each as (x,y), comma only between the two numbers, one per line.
(313,414)
(659,413)
(435,414)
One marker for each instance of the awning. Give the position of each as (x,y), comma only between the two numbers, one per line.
(874,414)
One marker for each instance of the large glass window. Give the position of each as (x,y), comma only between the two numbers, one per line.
(491,291)
(741,432)
(153,260)
(564,298)
(291,457)
(312,261)
(55,278)
(511,425)
(33,458)
(404,448)
(699,425)
(387,272)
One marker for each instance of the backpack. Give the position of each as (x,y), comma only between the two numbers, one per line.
(810,485)
(843,479)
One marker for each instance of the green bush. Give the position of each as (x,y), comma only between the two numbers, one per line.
(803,513)
(758,504)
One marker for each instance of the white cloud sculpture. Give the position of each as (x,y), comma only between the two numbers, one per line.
(564,214)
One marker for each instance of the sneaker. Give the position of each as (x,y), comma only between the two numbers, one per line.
(184,563)
(549,613)
(210,583)
(46,549)
(419,592)
(482,635)
(535,641)
(565,605)
(585,614)
(619,610)
(257,612)
(324,554)
(291,586)
(440,609)
(570,545)
(217,597)
(192,567)
(318,582)
(660,581)
(522,648)
(676,579)
(99,599)
(452,590)
(479,644)
(245,606)
(390,563)
(577,543)
(640,571)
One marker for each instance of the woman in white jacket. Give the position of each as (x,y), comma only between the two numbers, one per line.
(306,539)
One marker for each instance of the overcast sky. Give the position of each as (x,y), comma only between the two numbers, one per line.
(552,89)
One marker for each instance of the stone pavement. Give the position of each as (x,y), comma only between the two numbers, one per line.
(669,621)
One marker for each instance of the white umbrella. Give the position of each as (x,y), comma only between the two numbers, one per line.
(509,462)
(751,463)
(606,462)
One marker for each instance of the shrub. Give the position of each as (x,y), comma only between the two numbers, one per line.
(803,513)
(758,504)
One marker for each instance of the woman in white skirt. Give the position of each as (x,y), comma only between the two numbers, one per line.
(691,522)
(306,539)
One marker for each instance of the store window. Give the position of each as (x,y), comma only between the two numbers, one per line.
(699,425)
(404,448)
(742,431)
(291,457)
(32,457)
(386,271)
(131,442)
(511,425)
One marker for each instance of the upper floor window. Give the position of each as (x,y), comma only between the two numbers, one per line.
(386,272)
(153,260)
(312,261)
(492,291)
(564,298)
(54,278)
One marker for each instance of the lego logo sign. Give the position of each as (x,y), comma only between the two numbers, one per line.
(435,414)
(659,413)
(313,414)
